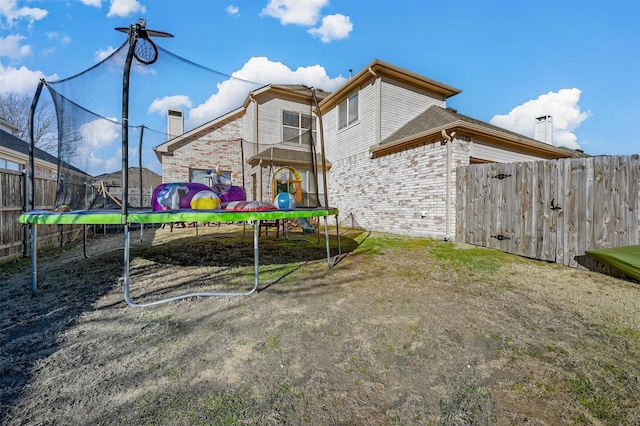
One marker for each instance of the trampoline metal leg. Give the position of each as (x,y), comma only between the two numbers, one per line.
(332,261)
(34,259)
(127,298)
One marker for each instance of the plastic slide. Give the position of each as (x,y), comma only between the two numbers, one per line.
(307,228)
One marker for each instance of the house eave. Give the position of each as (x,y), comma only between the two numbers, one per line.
(462,128)
(191,135)
(381,68)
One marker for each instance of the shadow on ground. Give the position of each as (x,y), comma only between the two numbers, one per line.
(70,284)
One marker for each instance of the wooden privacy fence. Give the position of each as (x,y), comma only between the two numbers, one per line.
(551,210)
(12,204)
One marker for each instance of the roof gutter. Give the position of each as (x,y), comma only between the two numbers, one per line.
(463,127)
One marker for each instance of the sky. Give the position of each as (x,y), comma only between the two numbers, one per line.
(578,61)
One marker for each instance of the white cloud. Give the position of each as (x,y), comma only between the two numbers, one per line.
(334,27)
(232,10)
(124,8)
(173,102)
(300,12)
(100,133)
(10,46)
(562,106)
(100,150)
(53,35)
(22,81)
(101,54)
(94,3)
(10,11)
(231,93)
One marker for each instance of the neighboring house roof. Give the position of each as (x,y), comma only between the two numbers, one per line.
(15,144)
(384,69)
(285,157)
(149,178)
(9,127)
(427,127)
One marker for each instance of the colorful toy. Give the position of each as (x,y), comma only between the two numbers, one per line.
(249,206)
(286,201)
(174,196)
(205,200)
(230,193)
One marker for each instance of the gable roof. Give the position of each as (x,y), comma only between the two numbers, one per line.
(299,91)
(427,128)
(384,69)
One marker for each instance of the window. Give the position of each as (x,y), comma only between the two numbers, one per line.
(298,128)
(9,165)
(348,111)
(207,177)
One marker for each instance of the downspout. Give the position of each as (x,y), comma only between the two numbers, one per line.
(448,139)
(378,106)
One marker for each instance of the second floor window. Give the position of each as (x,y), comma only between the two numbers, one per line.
(298,128)
(348,111)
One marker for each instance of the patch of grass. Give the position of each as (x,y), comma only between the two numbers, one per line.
(628,332)
(468,259)
(388,243)
(225,408)
(595,399)
(270,344)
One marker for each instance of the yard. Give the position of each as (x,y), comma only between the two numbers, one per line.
(403,331)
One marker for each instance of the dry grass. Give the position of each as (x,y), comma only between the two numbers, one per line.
(402,331)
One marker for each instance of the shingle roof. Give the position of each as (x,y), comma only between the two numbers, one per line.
(436,117)
(18,145)
(284,157)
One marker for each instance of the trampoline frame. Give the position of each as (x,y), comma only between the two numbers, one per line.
(110,217)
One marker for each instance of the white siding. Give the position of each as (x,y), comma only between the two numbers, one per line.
(400,104)
(359,136)
(498,155)
(270,117)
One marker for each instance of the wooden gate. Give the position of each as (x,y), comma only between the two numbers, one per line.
(550,210)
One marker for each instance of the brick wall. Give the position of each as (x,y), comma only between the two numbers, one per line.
(390,193)
(220,147)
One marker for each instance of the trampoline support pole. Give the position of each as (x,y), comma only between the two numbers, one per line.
(34,259)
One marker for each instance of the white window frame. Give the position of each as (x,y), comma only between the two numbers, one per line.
(299,129)
(348,111)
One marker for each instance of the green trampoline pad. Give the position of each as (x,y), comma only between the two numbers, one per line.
(114,216)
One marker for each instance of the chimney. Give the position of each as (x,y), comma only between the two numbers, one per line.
(175,123)
(543,129)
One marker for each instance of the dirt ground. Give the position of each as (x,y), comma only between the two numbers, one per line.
(402,331)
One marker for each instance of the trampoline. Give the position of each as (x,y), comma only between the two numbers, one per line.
(79,129)
(142,217)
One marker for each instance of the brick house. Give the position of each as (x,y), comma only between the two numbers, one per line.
(389,164)
(271,133)
(392,168)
